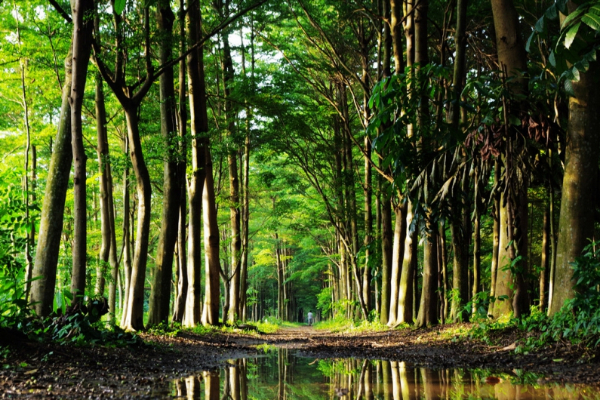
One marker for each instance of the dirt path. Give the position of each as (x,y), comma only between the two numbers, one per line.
(47,371)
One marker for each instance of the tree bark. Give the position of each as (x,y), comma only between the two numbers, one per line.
(182,273)
(234,184)
(199,128)
(575,225)
(83,25)
(108,250)
(544,264)
(387,258)
(160,294)
(53,206)
(512,59)
(405,291)
(134,319)
(210,315)
(428,305)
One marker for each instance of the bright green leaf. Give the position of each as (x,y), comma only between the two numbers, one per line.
(571,34)
(119,6)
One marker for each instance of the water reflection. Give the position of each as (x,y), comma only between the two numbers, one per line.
(284,375)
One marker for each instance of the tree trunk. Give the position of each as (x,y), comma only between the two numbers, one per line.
(182,273)
(160,295)
(460,244)
(405,291)
(512,59)
(126,239)
(387,258)
(444,259)
(134,319)
(396,33)
(544,264)
(199,128)
(234,184)
(108,250)
(428,306)
(398,249)
(210,315)
(575,225)
(476,249)
(83,24)
(496,235)
(245,226)
(103,161)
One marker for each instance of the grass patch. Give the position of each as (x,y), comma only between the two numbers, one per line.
(350,326)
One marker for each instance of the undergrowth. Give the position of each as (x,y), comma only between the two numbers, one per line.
(577,322)
(342,324)
(78,325)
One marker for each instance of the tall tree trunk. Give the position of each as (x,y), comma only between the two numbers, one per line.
(83,25)
(199,128)
(108,249)
(544,264)
(512,59)
(134,320)
(182,273)
(387,258)
(575,225)
(460,228)
(245,226)
(406,301)
(210,314)
(495,235)
(476,247)
(444,259)
(396,29)
(160,295)
(126,239)
(28,148)
(352,237)
(460,40)
(428,305)
(397,257)
(234,183)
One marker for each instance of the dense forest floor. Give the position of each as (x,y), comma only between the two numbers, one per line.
(51,371)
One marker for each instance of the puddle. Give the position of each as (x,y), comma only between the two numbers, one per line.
(284,374)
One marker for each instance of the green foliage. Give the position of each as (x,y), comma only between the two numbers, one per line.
(324,302)
(266,348)
(577,42)
(119,6)
(164,329)
(578,321)
(270,325)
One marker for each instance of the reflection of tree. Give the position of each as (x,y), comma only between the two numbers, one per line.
(192,387)
(211,385)
(286,377)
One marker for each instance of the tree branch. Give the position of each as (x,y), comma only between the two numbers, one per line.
(60,10)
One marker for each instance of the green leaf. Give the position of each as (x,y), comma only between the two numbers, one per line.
(552,59)
(551,13)
(539,25)
(571,17)
(576,74)
(592,20)
(528,44)
(569,87)
(119,6)
(561,5)
(571,34)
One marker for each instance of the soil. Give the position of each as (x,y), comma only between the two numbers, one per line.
(41,370)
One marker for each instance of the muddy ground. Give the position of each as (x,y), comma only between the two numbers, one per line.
(50,371)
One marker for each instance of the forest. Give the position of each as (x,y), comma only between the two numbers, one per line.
(223,162)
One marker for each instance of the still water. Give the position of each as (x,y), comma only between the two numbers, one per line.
(284,374)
